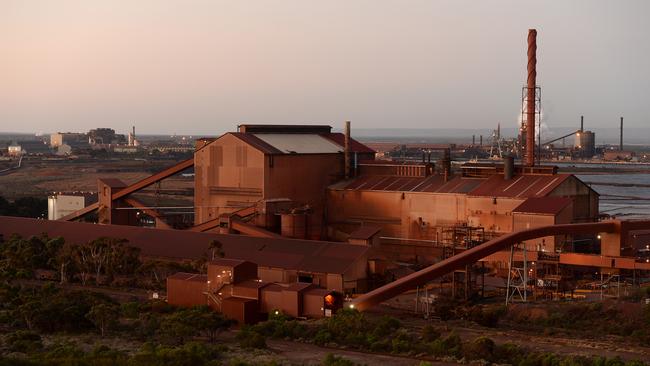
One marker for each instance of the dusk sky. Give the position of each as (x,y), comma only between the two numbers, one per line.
(202,67)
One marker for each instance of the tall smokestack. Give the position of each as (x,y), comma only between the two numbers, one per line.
(347,149)
(621,142)
(473,140)
(498,130)
(480,139)
(530,96)
(582,123)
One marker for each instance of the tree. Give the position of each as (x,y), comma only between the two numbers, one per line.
(204,319)
(176,327)
(103,316)
(122,259)
(217,249)
(82,261)
(98,252)
(64,259)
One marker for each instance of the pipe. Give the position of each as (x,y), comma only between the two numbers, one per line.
(530,98)
(347,150)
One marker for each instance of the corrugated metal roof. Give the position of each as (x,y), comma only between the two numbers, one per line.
(300,143)
(365,232)
(302,255)
(299,286)
(251,284)
(184,276)
(257,143)
(520,186)
(226,262)
(355,146)
(543,205)
(432,184)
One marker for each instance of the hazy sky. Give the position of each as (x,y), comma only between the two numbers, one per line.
(201,67)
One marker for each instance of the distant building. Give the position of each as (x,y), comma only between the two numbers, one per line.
(125,149)
(36,147)
(14,150)
(72,139)
(105,136)
(614,155)
(62,205)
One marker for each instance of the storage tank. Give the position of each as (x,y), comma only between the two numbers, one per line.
(585,143)
(294,225)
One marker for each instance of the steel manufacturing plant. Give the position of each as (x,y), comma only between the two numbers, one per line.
(309,221)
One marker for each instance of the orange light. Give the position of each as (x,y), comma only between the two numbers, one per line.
(329,299)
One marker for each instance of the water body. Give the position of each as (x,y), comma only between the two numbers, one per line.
(622,194)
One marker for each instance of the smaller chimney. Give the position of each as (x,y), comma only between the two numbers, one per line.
(621,142)
(473,140)
(480,139)
(347,150)
(582,123)
(508,167)
(446,164)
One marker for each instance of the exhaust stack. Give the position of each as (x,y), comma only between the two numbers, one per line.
(530,97)
(446,164)
(582,123)
(508,167)
(346,150)
(620,148)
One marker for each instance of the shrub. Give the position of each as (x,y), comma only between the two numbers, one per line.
(248,338)
(482,348)
(402,342)
(323,336)
(24,341)
(130,310)
(331,360)
(487,316)
(451,345)
(429,333)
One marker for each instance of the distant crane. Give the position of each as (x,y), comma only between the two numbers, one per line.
(496,152)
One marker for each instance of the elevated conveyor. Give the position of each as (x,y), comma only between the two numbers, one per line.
(143,183)
(422,277)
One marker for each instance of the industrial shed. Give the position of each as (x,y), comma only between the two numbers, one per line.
(232,288)
(268,162)
(416,207)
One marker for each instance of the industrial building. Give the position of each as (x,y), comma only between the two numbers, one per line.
(271,162)
(60,205)
(73,139)
(233,288)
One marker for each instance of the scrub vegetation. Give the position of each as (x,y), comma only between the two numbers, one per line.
(352,329)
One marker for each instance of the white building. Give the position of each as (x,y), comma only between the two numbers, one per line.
(15,149)
(62,205)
